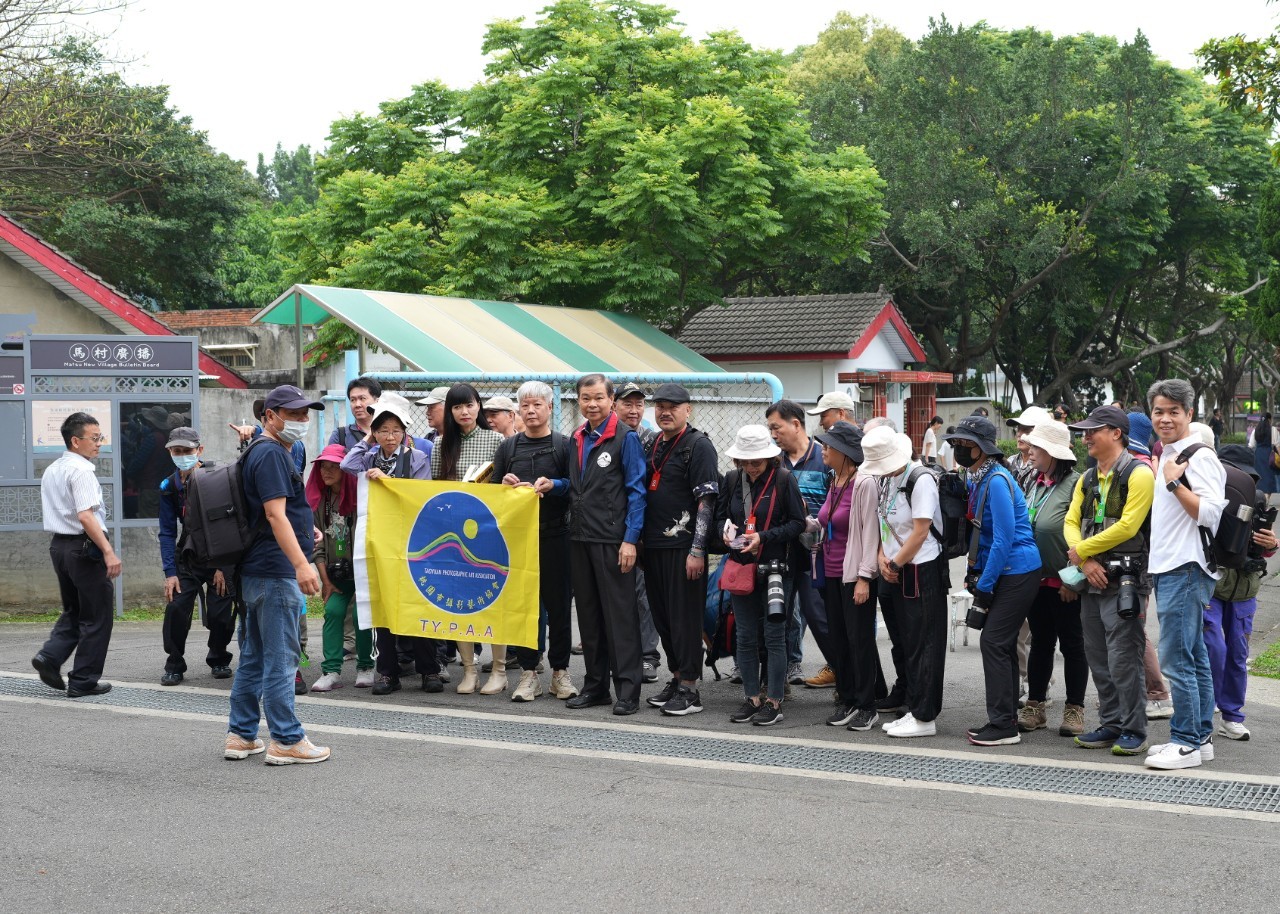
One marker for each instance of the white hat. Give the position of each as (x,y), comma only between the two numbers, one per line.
(437,395)
(1031,417)
(1054,438)
(884,451)
(394,404)
(753,443)
(833,400)
(1205,433)
(502,403)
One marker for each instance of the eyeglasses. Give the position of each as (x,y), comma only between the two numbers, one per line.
(390,432)
(96,439)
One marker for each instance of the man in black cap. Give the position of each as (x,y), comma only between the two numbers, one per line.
(683,481)
(629,405)
(183,583)
(275,573)
(1105,528)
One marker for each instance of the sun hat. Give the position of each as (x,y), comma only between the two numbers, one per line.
(183,436)
(332,453)
(1030,418)
(1053,437)
(1205,433)
(844,438)
(753,442)
(977,430)
(437,395)
(505,404)
(833,400)
(391,404)
(886,451)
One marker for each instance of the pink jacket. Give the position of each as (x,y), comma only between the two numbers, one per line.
(863,549)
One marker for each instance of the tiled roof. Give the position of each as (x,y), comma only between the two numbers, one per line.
(211,317)
(792,324)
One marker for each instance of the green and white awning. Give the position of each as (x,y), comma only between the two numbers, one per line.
(432,333)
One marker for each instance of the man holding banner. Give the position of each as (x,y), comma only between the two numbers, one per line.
(606,493)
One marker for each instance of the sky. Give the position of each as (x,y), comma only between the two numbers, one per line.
(251,73)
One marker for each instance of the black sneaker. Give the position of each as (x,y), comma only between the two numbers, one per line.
(767,716)
(431,683)
(891,703)
(385,685)
(991,735)
(842,716)
(171,679)
(685,701)
(863,720)
(746,712)
(668,692)
(222,672)
(300,687)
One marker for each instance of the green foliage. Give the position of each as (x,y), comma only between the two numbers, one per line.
(290,176)
(609,162)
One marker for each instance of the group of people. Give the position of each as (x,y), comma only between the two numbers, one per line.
(823,529)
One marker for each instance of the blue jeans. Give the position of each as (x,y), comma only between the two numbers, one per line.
(748,619)
(1181,598)
(269,651)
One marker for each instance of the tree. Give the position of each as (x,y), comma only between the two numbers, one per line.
(609,161)
(290,176)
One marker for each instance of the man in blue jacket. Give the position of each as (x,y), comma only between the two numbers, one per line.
(182,582)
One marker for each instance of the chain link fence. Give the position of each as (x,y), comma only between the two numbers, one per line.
(721,404)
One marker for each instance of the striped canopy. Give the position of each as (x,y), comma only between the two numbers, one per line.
(431,333)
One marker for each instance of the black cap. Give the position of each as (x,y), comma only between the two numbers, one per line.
(1238,456)
(1103,417)
(978,430)
(845,438)
(672,393)
(631,389)
(286,396)
(183,436)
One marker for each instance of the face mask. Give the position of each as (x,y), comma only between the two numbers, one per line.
(292,432)
(965,456)
(185,462)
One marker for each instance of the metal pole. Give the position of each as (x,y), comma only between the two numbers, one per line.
(297,327)
(364,348)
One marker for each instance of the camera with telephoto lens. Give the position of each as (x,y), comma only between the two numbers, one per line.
(772,572)
(341,571)
(1125,571)
(1264,518)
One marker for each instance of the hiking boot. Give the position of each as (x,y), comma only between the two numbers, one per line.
(685,701)
(1072,720)
(668,692)
(300,753)
(824,679)
(385,685)
(240,748)
(327,683)
(745,713)
(528,688)
(562,686)
(767,716)
(1032,717)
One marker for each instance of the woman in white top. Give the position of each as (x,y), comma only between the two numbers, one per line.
(913,573)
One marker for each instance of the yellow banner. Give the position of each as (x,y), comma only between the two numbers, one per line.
(448,560)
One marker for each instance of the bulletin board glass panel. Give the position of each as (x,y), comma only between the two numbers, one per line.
(144,462)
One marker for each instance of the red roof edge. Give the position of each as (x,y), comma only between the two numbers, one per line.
(889,314)
(71,272)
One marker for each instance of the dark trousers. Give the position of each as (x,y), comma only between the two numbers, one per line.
(852,644)
(897,653)
(607,620)
(919,604)
(677,605)
(1055,622)
(813,610)
(1013,596)
(87,611)
(387,653)
(218,618)
(554,606)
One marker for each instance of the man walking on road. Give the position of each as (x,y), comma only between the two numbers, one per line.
(275,574)
(83,560)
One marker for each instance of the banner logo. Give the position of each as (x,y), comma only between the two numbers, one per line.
(457,555)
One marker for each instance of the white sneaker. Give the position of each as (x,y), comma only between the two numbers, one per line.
(327,683)
(1159,710)
(1232,729)
(562,686)
(364,679)
(892,725)
(529,687)
(909,727)
(1206,750)
(1173,756)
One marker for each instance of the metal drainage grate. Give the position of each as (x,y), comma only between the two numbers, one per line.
(1242,796)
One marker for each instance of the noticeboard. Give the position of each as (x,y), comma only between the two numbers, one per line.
(47,417)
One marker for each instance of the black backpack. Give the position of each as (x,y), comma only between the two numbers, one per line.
(1228,546)
(216,531)
(953,501)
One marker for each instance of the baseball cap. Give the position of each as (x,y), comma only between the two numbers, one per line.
(1103,417)
(672,393)
(631,389)
(437,395)
(183,436)
(833,400)
(506,404)
(286,396)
